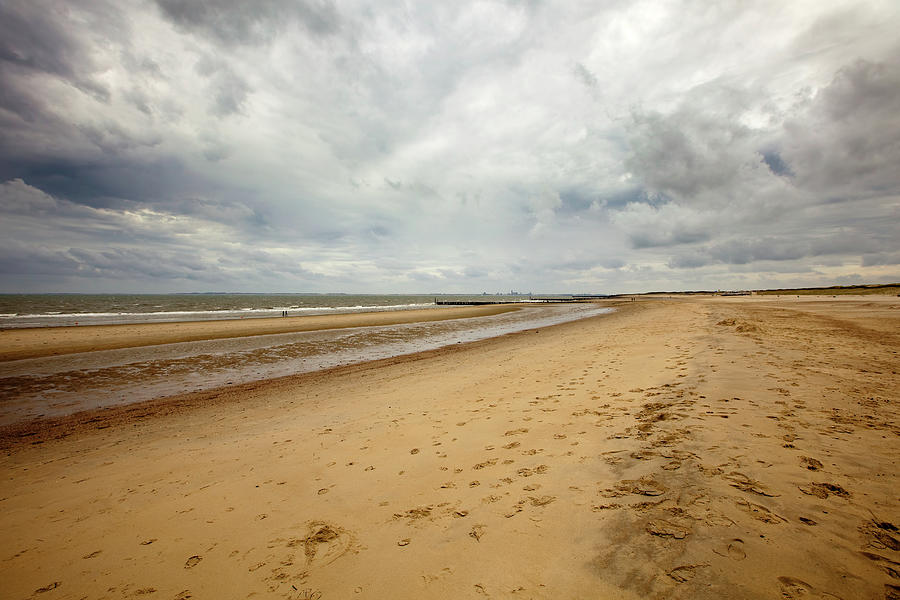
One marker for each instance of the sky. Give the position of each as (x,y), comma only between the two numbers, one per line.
(396,146)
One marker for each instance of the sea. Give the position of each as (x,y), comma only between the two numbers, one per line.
(53,310)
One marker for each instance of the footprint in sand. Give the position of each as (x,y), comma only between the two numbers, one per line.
(324,543)
(880,534)
(748,484)
(733,549)
(684,572)
(49,587)
(192,561)
(645,486)
(528,472)
(442,574)
(666,529)
(823,490)
(797,589)
(810,463)
(717,520)
(759,512)
(413,514)
(542,501)
(477,532)
(516,431)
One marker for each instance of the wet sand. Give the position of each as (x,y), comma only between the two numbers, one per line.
(17,344)
(52,386)
(686,448)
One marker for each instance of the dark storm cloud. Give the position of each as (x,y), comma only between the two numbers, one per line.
(141,263)
(237,22)
(116,242)
(663,224)
(847,142)
(28,209)
(671,237)
(107,182)
(126,243)
(37,39)
(772,190)
(689,260)
(45,51)
(576,200)
(748,250)
(881,258)
(39,49)
(743,251)
(687,152)
(26,259)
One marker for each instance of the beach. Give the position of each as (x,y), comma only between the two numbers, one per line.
(684,447)
(16,344)
(66,370)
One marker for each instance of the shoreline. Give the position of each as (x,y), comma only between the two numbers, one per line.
(40,430)
(698,449)
(57,385)
(17,344)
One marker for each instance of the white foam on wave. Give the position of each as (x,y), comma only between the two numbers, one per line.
(49,318)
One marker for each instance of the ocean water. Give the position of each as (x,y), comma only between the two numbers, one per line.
(49,310)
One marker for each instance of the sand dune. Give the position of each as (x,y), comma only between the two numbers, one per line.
(701,448)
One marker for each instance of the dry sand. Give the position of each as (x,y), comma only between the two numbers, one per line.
(690,448)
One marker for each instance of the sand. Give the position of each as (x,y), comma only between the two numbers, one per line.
(17,344)
(687,448)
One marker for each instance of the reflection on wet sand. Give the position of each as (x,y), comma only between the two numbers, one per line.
(60,385)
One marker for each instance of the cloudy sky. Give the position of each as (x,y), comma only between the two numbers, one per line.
(464,146)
